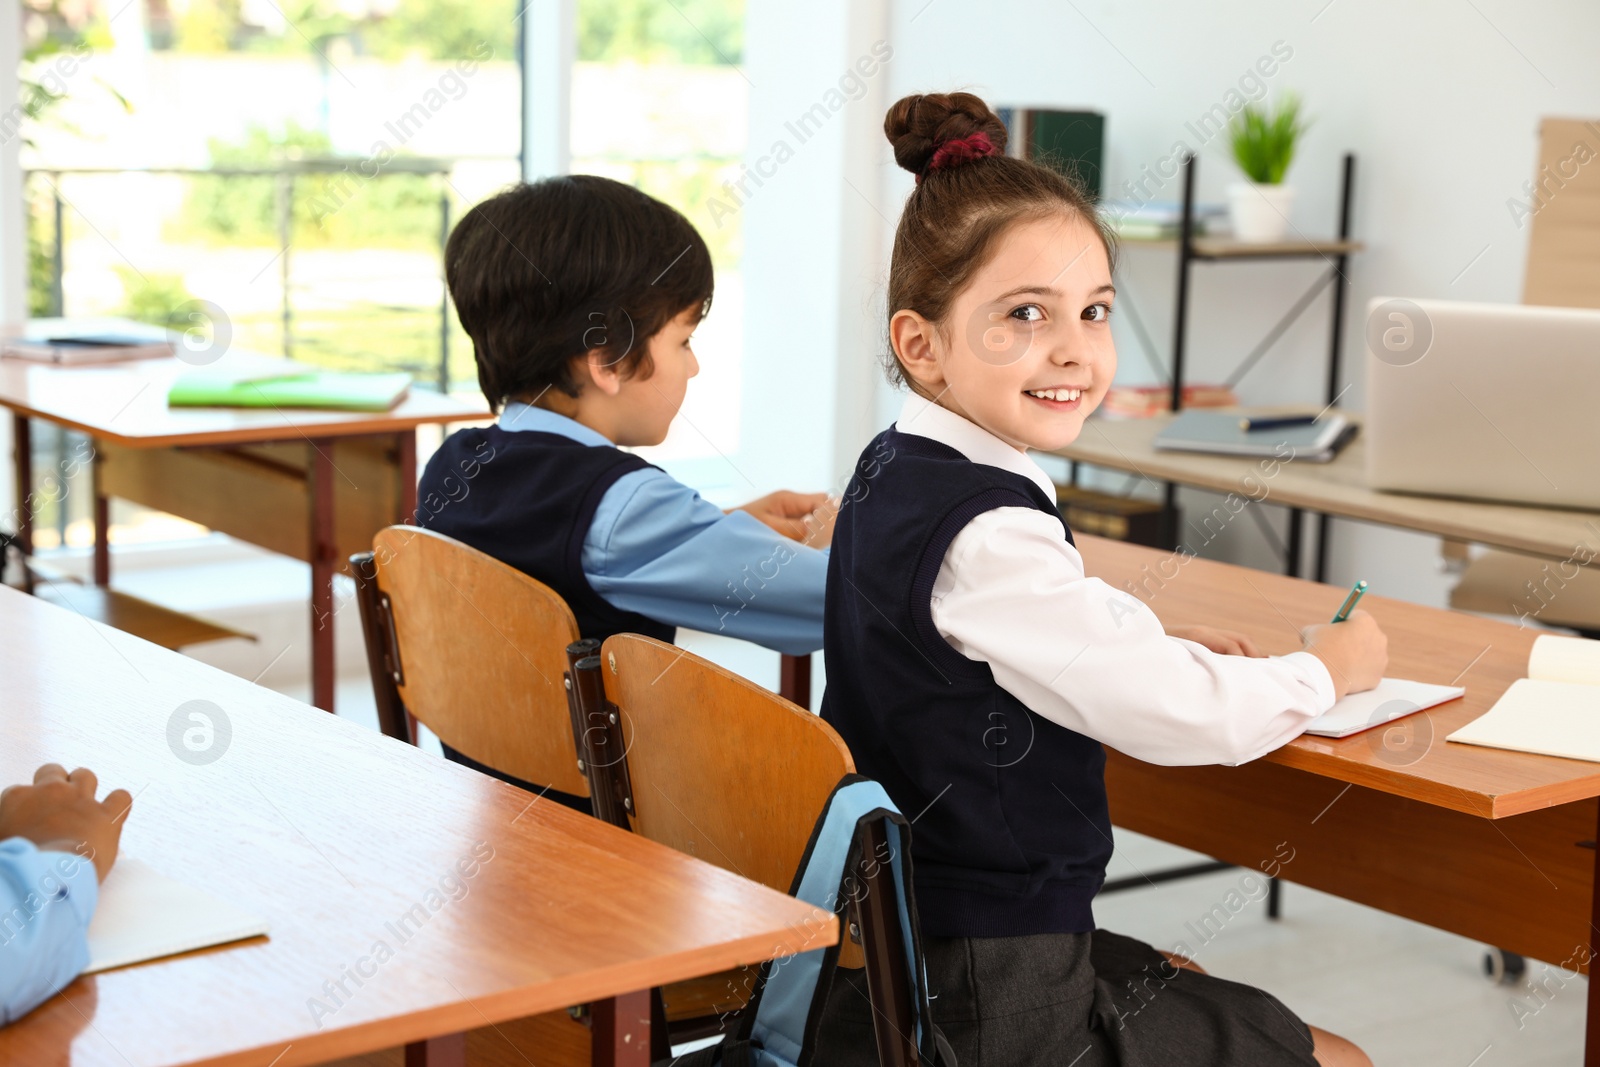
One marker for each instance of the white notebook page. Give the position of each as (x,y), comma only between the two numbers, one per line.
(144,915)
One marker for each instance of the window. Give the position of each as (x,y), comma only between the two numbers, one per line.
(283,171)
(659,101)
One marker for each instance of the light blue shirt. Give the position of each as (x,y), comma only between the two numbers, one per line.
(656,547)
(46,900)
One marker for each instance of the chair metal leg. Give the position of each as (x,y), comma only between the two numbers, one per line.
(794,679)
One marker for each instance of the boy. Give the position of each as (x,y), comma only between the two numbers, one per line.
(581,295)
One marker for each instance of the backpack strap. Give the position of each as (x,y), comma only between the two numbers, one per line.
(787,1010)
(780,1023)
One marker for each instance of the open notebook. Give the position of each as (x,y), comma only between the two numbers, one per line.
(144,915)
(1390,699)
(1554,711)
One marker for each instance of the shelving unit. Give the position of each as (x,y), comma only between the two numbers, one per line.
(1335,252)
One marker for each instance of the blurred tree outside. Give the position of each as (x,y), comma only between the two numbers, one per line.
(691,32)
(361,326)
(389,210)
(152,297)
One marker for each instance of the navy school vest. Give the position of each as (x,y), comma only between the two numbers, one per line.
(1012,829)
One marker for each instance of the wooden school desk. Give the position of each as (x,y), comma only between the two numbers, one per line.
(1337,488)
(1493,845)
(314,485)
(337,834)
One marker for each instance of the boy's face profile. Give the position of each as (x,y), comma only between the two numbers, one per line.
(1025,351)
(637,409)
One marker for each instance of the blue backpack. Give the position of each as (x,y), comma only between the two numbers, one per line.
(858,865)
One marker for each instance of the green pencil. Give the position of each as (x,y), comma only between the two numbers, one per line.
(1349,604)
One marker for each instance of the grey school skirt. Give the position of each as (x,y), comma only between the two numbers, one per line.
(1074,1000)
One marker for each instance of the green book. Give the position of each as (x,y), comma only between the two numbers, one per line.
(314,389)
(1071,142)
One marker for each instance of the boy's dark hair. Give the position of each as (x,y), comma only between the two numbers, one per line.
(546,271)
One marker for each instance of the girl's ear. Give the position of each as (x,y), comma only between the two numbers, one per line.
(916,345)
(599,367)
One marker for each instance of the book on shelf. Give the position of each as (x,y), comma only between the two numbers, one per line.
(1070,142)
(1161,219)
(1148,401)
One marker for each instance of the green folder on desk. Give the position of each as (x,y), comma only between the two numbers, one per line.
(314,389)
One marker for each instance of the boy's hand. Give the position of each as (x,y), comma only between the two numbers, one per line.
(805,517)
(58,813)
(1355,651)
(1224,642)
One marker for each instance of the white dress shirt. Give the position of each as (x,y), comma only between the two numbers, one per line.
(1012,593)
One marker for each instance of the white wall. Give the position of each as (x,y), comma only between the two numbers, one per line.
(814,258)
(1439,100)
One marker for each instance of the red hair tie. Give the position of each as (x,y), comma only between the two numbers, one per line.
(960,150)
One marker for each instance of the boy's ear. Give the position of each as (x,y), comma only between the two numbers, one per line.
(601,369)
(914,343)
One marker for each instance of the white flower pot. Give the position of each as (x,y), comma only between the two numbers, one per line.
(1259,213)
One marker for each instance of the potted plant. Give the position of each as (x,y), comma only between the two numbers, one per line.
(1263,143)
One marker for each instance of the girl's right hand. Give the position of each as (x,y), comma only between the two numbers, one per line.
(1355,651)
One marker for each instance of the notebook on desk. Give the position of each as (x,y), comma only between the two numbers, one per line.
(144,915)
(1391,699)
(313,389)
(1554,711)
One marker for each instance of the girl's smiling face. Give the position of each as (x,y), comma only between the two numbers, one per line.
(1025,350)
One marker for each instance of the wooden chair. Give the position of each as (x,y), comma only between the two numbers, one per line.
(476,651)
(480,653)
(697,758)
(473,649)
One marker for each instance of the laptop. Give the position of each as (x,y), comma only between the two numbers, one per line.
(1485,401)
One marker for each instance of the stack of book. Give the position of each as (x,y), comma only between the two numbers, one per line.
(68,341)
(1160,219)
(1147,401)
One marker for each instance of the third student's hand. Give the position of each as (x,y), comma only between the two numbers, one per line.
(1224,642)
(806,517)
(58,813)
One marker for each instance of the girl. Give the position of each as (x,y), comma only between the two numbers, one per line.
(975,669)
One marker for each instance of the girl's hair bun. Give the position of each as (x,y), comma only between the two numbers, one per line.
(918,125)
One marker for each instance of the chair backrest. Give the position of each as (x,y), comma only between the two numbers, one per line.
(1563,256)
(719,767)
(481,653)
(714,765)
